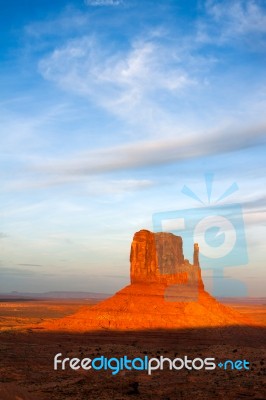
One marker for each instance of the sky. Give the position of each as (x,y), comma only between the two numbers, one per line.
(116,114)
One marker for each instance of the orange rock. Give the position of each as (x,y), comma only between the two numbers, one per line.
(166,291)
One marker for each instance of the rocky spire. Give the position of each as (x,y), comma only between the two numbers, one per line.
(196,255)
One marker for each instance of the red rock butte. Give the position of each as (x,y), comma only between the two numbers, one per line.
(166,291)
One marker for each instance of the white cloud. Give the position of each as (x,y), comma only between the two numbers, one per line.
(152,152)
(86,169)
(158,83)
(232,19)
(23,130)
(92,187)
(68,22)
(118,186)
(128,84)
(103,2)
(242,16)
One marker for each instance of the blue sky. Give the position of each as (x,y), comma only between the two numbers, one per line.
(107,109)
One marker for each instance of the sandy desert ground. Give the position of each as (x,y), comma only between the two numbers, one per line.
(26,368)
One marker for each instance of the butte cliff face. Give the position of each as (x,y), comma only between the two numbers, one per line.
(155,255)
(157,258)
(166,291)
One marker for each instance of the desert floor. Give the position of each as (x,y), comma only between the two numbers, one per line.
(26,367)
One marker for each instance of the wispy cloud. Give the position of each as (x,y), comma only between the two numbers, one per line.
(23,131)
(87,168)
(125,83)
(255,203)
(68,22)
(31,265)
(18,272)
(231,20)
(158,83)
(240,16)
(156,152)
(92,187)
(103,2)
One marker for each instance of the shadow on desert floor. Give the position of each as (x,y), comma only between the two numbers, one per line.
(27,363)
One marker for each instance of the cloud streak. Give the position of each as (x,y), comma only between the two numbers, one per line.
(156,152)
(98,3)
(30,265)
(18,272)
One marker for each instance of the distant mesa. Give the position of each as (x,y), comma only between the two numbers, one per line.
(166,291)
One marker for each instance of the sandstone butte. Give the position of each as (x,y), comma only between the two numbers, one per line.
(166,291)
